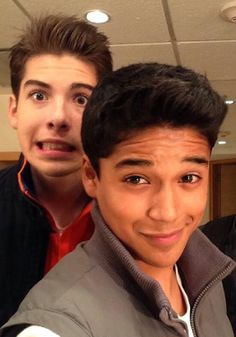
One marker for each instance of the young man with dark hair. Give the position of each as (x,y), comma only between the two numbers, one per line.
(222,232)
(147,133)
(43,207)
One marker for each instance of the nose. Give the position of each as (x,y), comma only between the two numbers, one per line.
(59,118)
(164,205)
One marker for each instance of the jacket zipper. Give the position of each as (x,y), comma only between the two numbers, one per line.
(214,281)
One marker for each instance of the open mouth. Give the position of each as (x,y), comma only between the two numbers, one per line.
(48,146)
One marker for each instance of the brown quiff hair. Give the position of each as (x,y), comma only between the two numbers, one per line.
(58,34)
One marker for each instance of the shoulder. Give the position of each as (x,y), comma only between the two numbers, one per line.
(75,291)
(229,219)
(62,300)
(63,282)
(9,187)
(220,229)
(8,173)
(8,176)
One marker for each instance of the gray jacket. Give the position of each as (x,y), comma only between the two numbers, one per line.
(98,291)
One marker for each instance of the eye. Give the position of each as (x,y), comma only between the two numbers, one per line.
(136,180)
(190,179)
(81,100)
(38,96)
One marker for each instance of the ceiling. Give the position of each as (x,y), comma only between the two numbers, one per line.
(186,32)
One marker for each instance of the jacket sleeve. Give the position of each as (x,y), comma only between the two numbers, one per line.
(22,330)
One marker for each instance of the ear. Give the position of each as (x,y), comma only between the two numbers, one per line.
(89,177)
(12,112)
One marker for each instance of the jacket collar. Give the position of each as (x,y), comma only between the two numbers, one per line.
(200,265)
(24,176)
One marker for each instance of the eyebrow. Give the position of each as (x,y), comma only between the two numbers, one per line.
(196,160)
(47,86)
(134,162)
(36,82)
(82,85)
(145,162)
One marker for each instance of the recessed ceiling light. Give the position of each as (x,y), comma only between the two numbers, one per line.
(97,16)
(229,101)
(228,12)
(221,142)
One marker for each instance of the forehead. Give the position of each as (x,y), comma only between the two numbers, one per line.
(162,144)
(67,67)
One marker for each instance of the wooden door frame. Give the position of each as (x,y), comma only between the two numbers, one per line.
(8,158)
(215,186)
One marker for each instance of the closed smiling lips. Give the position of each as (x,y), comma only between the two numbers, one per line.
(164,238)
(55,145)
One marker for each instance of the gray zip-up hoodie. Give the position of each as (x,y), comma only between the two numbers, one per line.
(98,291)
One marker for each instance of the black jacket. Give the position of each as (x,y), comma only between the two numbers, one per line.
(24,235)
(222,232)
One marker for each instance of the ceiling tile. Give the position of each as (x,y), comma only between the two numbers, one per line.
(226,88)
(12,20)
(216,59)
(133,21)
(200,20)
(124,55)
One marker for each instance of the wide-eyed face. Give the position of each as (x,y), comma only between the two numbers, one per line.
(47,114)
(152,192)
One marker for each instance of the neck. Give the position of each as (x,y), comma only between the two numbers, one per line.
(166,277)
(63,197)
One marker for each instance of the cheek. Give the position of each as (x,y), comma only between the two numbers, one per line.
(25,127)
(114,207)
(202,200)
(76,121)
(197,209)
(193,205)
(120,202)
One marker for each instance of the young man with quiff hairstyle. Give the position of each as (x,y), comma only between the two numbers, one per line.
(44,209)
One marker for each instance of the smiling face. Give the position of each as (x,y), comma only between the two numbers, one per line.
(48,112)
(152,192)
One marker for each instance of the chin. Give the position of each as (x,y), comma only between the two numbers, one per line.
(61,173)
(55,170)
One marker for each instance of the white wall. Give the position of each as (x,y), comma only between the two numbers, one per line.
(8,137)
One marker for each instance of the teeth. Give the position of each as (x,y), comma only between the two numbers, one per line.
(55,146)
